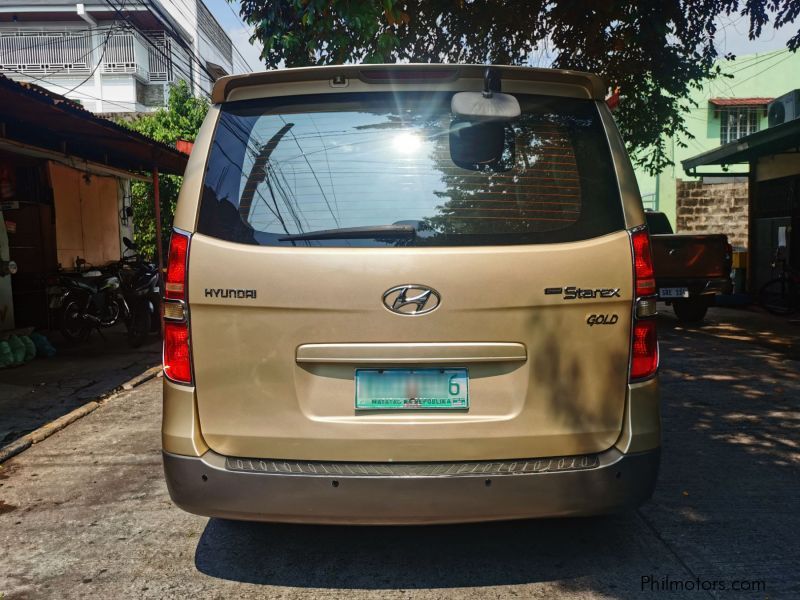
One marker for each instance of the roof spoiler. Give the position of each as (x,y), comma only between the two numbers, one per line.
(407,73)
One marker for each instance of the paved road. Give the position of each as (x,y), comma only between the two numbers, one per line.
(86,514)
(47,388)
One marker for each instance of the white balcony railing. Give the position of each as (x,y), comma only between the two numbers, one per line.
(45,52)
(40,53)
(126,53)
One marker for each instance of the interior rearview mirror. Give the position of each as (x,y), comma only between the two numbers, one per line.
(482,145)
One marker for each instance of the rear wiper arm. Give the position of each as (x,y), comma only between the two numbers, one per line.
(368,232)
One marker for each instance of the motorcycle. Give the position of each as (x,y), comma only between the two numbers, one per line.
(86,299)
(141,291)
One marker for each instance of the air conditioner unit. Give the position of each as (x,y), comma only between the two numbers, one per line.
(784,108)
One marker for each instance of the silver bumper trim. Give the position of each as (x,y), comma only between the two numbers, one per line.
(206,487)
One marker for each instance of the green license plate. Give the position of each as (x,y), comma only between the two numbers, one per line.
(381,389)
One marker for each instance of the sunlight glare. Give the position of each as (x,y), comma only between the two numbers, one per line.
(407,142)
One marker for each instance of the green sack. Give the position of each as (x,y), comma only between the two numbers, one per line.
(44,349)
(30,348)
(17,349)
(6,358)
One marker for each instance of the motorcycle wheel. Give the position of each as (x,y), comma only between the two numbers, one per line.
(74,327)
(138,327)
(111,314)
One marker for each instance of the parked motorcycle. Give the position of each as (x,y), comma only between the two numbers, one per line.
(86,299)
(141,290)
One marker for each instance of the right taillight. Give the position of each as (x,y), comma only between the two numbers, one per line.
(644,349)
(175,285)
(645,281)
(177,349)
(644,343)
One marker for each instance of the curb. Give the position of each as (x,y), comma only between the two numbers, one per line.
(48,429)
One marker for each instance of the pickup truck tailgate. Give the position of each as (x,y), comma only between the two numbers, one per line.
(690,256)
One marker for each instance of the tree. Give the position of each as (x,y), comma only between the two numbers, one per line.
(655,51)
(180,120)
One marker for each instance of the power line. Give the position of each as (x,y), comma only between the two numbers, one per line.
(55,38)
(63,87)
(97,66)
(233,46)
(172,34)
(239,18)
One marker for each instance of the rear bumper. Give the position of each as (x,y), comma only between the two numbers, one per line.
(387,493)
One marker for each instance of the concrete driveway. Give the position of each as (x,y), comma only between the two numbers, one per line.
(86,514)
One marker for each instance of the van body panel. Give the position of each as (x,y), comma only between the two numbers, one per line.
(255,399)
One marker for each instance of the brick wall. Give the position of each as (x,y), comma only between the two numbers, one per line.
(712,208)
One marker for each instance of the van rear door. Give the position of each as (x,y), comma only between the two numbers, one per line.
(509,241)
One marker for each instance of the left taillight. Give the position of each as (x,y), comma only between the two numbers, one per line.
(177,347)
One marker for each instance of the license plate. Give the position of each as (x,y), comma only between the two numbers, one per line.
(407,389)
(673,292)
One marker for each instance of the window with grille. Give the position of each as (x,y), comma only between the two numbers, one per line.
(738,121)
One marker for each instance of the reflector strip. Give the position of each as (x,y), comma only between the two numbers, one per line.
(177,356)
(644,351)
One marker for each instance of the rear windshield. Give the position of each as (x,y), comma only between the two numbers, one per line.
(281,169)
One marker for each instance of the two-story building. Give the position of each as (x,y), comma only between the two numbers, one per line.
(729,107)
(115,56)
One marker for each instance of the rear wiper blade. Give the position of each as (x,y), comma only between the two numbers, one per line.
(356,233)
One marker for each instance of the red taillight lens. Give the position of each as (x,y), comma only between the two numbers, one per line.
(177,358)
(644,354)
(645,283)
(175,285)
(177,351)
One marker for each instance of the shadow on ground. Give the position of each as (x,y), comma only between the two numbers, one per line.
(44,389)
(451,556)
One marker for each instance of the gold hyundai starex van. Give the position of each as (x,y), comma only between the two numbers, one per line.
(409,294)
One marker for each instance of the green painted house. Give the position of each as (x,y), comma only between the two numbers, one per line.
(727,108)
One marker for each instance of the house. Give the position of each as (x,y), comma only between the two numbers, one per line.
(771,160)
(729,107)
(113,56)
(65,178)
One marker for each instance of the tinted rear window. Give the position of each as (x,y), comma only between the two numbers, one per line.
(285,166)
(657,223)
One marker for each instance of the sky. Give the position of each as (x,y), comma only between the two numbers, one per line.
(732,35)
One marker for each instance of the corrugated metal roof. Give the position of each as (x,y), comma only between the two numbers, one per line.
(38,117)
(740,101)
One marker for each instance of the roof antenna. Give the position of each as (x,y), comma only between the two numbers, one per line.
(491,82)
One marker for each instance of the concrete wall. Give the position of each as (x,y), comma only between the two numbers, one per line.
(713,208)
(770,74)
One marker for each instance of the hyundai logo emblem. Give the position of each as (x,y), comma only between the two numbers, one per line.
(411,300)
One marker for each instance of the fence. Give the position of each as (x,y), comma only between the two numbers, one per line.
(70,52)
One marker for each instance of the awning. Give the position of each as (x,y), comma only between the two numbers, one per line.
(36,117)
(780,139)
(740,101)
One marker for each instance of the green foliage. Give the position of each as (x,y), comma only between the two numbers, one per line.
(180,120)
(656,52)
